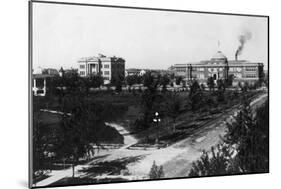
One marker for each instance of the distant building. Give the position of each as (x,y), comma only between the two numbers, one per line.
(50,71)
(66,72)
(134,71)
(107,67)
(39,84)
(219,67)
(40,77)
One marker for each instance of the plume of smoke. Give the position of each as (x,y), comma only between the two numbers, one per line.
(242,39)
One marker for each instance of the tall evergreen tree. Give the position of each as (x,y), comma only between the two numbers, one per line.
(173,107)
(156,172)
(195,95)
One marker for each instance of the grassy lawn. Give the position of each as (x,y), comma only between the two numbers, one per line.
(187,122)
(125,108)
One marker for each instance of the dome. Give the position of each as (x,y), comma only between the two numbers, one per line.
(219,56)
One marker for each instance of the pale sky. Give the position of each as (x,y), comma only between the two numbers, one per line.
(144,38)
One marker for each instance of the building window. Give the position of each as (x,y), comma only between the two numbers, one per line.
(200,76)
(251,76)
(106,66)
(235,69)
(82,73)
(250,68)
(106,72)
(106,78)
(82,66)
(200,69)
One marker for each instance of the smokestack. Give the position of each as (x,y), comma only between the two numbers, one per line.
(242,40)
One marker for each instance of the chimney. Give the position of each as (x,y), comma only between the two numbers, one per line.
(236,56)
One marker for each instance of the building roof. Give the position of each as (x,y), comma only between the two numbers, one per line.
(101,57)
(219,59)
(89,59)
(219,56)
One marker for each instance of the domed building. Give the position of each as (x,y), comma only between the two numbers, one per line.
(219,67)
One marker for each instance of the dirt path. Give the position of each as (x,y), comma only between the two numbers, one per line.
(129,140)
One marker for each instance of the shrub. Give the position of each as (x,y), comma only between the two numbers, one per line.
(218,163)
(156,172)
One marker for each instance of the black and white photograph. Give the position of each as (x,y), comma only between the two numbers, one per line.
(122,94)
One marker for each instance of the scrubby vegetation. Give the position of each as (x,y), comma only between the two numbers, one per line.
(245,147)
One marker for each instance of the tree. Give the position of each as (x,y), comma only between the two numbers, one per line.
(172,84)
(240,85)
(195,95)
(246,87)
(221,90)
(150,99)
(164,81)
(95,81)
(117,82)
(139,90)
(245,148)
(148,81)
(211,83)
(221,85)
(71,80)
(229,80)
(250,133)
(130,80)
(41,147)
(202,86)
(215,163)
(173,107)
(77,133)
(156,172)
(42,140)
(178,80)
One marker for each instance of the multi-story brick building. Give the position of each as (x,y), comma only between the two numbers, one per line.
(107,67)
(219,67)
